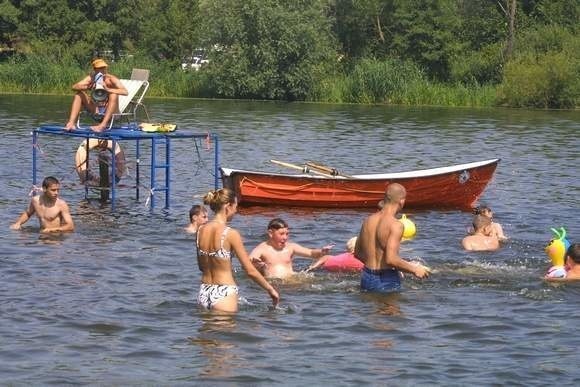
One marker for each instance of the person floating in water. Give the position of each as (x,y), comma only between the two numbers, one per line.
(572,266)
(482,239)
(53,212)
(274,256)
(215,243)
(98,93)
(197,217)
(378,245)
(344,262)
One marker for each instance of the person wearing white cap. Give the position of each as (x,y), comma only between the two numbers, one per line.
(98,93)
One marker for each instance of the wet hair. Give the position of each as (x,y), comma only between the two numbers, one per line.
(217,199)
(351,244)
(277,224)
(480,221)
(480,210)
(196,209)
(48,181)
(574,252)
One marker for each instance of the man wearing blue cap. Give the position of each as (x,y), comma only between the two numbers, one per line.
(99,94)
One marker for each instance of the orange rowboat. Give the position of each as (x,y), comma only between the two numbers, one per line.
(456,186)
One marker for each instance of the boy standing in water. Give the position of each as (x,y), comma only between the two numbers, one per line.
(53,212)
(274,256)
(482,239)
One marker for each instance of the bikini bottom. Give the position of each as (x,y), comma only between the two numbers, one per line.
(210,294)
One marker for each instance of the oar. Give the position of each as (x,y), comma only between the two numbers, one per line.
(326,169)
(298,167)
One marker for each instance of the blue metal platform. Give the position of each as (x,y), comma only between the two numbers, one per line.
(130,133)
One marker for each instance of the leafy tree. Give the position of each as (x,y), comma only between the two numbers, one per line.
(266,48)
(167,29)
(424,31)
(9,15)
(360,26)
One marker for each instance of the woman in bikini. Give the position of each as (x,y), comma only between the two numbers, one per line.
(215,243)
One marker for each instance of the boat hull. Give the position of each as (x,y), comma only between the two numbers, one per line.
(458,186)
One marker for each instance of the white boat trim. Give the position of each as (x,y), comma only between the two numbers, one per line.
(394,175)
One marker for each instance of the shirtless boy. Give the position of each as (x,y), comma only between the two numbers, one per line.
(53,213)
(197,217)
(378,246)
(274,256)
(496,229)
(482,239)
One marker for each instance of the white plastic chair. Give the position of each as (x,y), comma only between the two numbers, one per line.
(137,87)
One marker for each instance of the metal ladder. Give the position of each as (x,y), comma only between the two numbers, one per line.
(160,162)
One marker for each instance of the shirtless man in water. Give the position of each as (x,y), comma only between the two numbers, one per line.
(482,239)
(53,213)
(274,256)
(378,245)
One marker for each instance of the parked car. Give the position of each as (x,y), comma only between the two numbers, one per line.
(195,61)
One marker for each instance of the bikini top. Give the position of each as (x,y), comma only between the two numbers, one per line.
(221,253)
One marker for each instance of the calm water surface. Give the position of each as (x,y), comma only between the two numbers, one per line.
(114,302)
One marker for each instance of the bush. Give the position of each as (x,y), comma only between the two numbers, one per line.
(549,80)
(479,67)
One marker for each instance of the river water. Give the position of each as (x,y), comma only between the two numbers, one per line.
(114,302)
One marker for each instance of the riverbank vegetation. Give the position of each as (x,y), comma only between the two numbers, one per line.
(519,53)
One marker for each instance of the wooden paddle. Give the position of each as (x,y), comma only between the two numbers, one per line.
(326,169)
(304,169)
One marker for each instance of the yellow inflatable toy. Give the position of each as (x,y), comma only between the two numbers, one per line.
(556,250)
(557,247)
(409,229)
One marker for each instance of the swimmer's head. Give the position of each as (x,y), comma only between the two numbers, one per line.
(483,210)
(480,222)
(197,210)
(48,181)
(395,193)
(574,252)
(276,224)
(278,233)
(351,244)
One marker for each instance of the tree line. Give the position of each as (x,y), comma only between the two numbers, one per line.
(520,53)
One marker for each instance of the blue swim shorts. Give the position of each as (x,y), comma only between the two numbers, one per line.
(380,281)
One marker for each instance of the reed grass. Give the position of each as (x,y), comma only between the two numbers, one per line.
(370,82)
(398,83)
